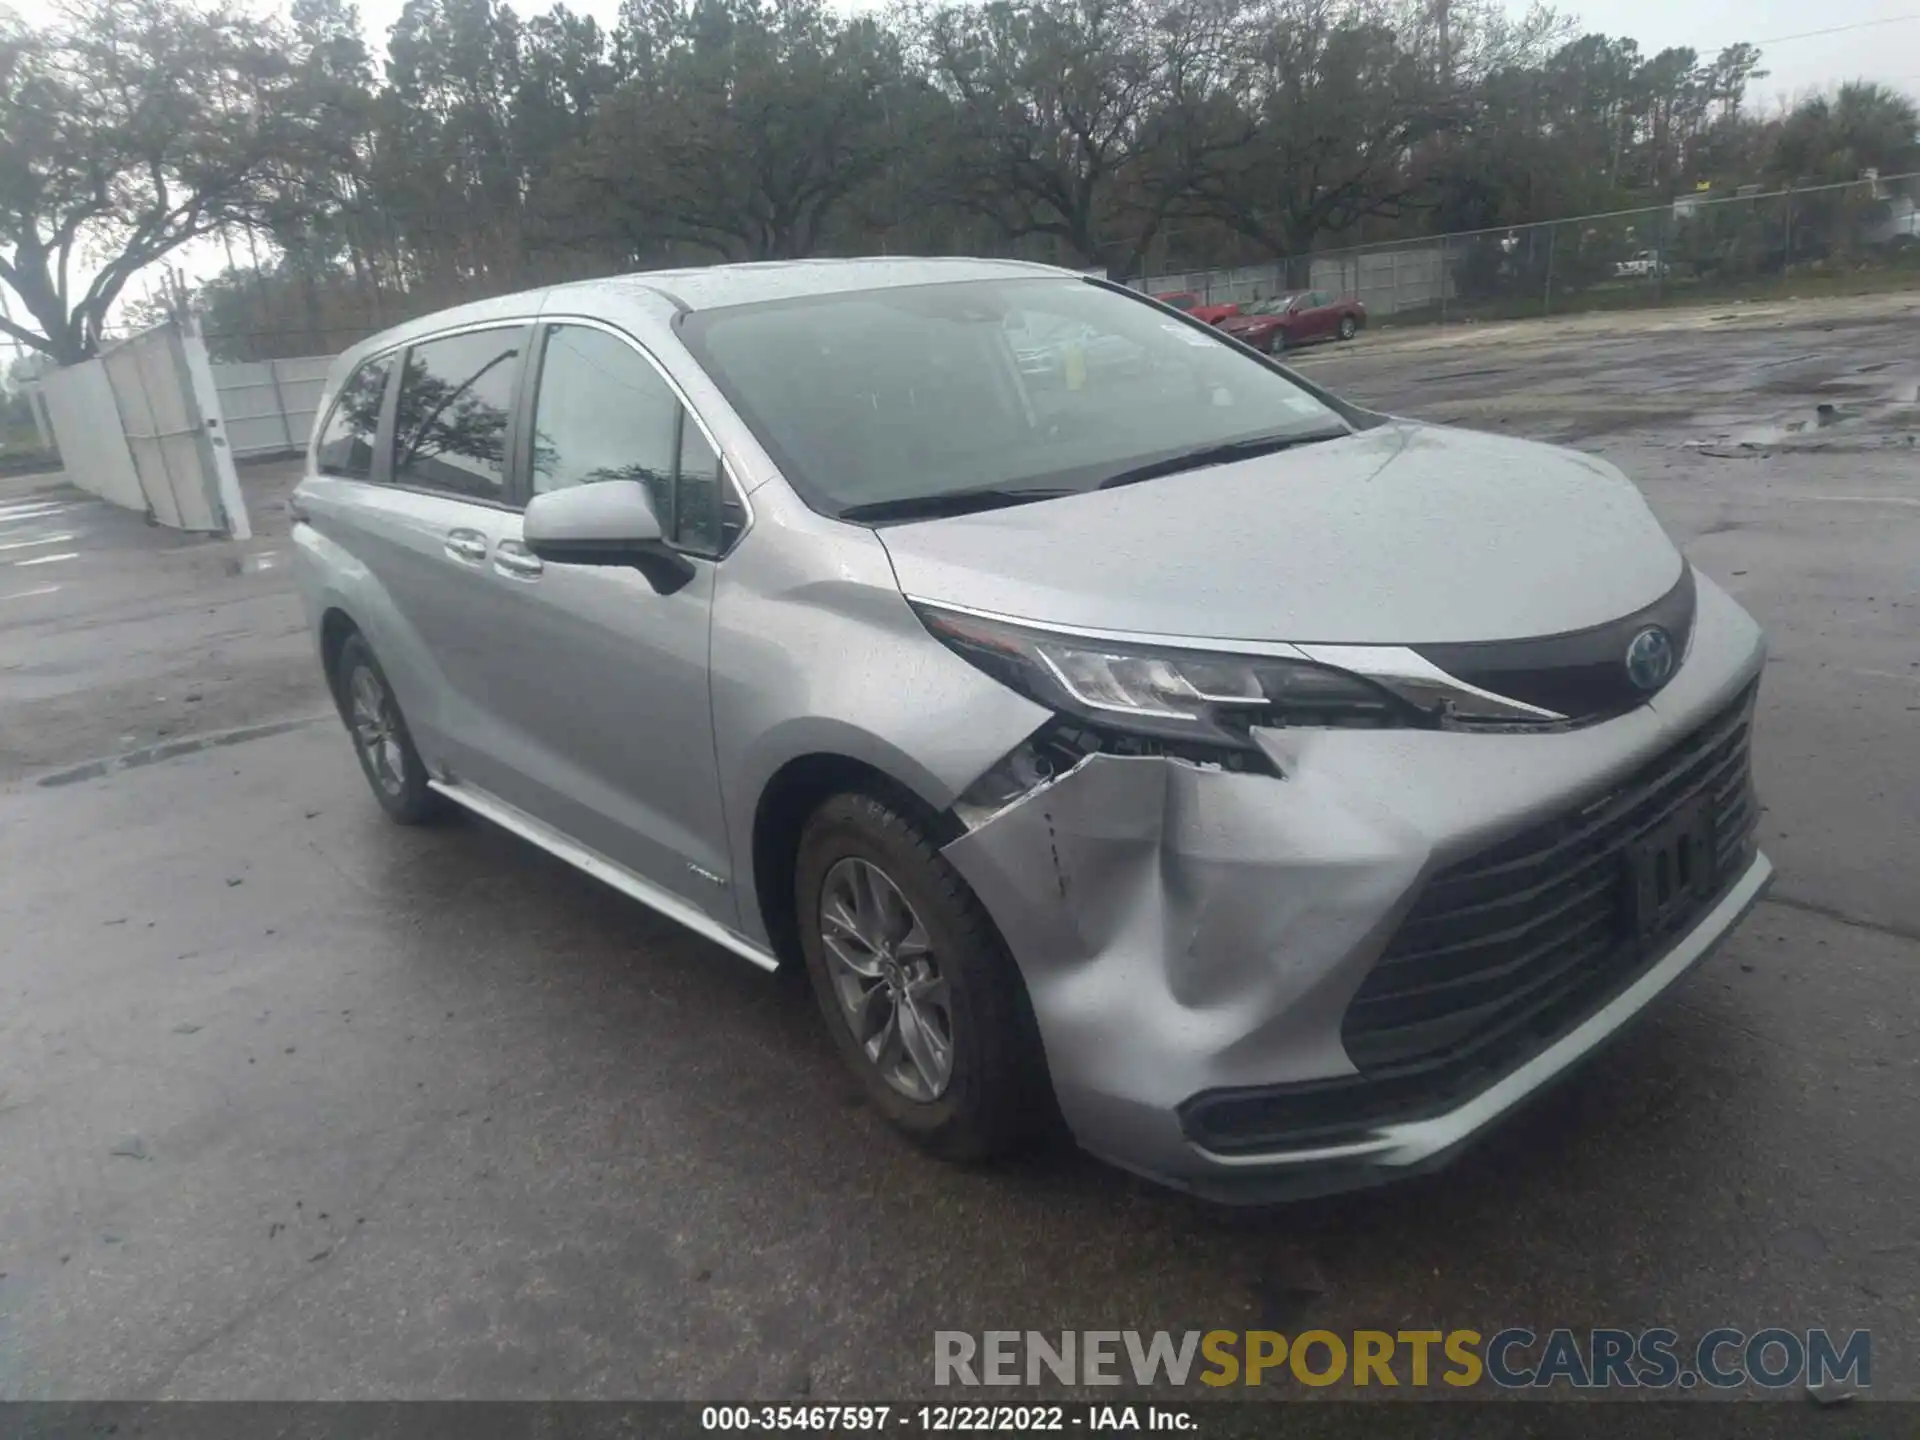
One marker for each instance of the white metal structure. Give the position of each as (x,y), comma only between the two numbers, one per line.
(139,425)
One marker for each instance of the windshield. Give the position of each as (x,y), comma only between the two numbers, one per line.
(1028,385)
(1276,306)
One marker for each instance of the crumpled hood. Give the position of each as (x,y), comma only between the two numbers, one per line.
(1402,535)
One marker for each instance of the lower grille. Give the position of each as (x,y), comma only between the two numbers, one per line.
(1537,927)
(1505,952)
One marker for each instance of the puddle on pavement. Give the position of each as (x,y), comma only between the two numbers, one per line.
(1872,415)
(253,563)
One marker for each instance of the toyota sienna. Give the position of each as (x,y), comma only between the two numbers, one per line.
(1119,729)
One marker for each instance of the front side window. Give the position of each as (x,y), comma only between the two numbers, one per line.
(450,429)
(602,412)
(1026,387)
(346,445)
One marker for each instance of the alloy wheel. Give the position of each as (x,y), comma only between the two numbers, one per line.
(376,730)
(887,979)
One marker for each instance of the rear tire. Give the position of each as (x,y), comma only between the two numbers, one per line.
(381,741)
(922,999)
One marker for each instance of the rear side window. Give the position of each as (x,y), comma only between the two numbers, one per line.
(346,445)
(450,427)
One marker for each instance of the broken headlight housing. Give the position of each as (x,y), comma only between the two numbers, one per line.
(1193,700)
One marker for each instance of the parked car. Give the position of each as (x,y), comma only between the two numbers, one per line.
(1289,320)
(1200,309)
(1645,265)
(1277,792)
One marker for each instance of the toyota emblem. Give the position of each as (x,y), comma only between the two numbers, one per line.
(1650,658)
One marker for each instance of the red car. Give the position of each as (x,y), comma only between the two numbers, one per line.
(1191,303)
(1299,319)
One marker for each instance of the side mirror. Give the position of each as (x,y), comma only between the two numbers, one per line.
(607,523)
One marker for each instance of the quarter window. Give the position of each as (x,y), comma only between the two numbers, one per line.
(602,412)
(450,429)
(346,445)
(710,514)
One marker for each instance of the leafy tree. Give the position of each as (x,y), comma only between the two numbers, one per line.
(127,129)
(740,128)
(1864,126)
(494,150)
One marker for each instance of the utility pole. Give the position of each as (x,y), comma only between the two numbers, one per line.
(1443,27)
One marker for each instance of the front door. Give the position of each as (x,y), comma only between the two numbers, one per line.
(608,726)
(1317,320)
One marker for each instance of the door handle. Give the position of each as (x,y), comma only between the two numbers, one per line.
(514,560)
(467,546)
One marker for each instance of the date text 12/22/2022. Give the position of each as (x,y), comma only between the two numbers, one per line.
(939,1419)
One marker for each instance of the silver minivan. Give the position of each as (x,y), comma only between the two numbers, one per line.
(1121,730)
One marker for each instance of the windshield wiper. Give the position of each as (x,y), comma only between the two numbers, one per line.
(1217,455)
(951,502)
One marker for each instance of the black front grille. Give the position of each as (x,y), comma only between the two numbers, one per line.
(1536,930)
(1505,952)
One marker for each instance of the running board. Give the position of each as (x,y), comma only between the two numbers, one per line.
(534,832)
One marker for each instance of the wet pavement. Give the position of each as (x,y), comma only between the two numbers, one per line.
(294,1102)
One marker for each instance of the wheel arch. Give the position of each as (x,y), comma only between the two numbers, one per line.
(336,628)
(790,796)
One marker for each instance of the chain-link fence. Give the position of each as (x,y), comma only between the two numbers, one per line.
(1699,246)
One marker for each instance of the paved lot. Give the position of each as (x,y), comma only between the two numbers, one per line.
(297,1103)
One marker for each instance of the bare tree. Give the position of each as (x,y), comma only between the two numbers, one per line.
(1337,105)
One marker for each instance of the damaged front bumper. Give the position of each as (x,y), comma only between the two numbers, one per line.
(1194,940)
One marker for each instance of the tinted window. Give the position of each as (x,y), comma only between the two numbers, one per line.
(450,431)
(710,514)
(602,412)
(346,445)
(907,393)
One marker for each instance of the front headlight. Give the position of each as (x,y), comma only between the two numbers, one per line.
(1170,694)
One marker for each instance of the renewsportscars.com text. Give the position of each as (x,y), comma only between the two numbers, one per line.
(1509,1359)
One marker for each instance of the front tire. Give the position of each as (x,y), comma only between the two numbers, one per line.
(1349,327)
(381,741)
(924,1003)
